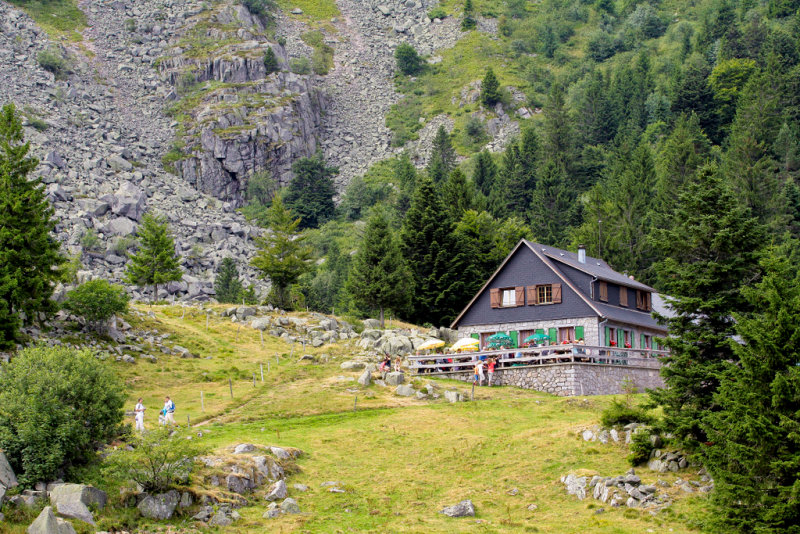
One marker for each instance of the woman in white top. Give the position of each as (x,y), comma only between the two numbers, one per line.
(139,411)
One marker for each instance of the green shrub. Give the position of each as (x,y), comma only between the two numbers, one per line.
(622,412)
(321,61)
(300,65)
(259,7)
(51,60)
(437,12)
(57,403)
(97,301)
(130,25)
(271,61)
(90,241)
(158,460)
(408,60)
(641,447)
(122,245)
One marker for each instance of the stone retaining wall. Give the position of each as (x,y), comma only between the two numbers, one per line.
(567,379)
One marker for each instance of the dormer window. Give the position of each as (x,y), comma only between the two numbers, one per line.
(643,300)
(603,289)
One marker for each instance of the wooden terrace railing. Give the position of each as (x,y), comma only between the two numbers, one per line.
(537,356)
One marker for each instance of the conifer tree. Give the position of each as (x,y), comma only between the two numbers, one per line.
(405,175)
(426,243)
(557,140)
(468,22)
(408,60)
(30,261)
(692,93)
(753,452)
(711,247)
(270,61)
(443,156)
(490,89)
(551,206)
(282,254)
(227,286)
(310,193)
(379,277)
(155,262)
(485,172)
(458,195)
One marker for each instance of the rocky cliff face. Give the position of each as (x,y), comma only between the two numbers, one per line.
(237,118)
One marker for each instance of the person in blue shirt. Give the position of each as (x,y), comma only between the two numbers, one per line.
(169,411)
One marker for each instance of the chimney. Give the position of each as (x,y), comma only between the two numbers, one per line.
(581,254)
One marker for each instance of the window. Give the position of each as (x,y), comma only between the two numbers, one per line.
(645,341)
(544,294)
(566,334)
(623,296)
(643,300)
(509,298)
(604,291)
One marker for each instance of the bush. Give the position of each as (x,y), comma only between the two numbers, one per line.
(408,60)
(437,12)
(270,61)
(53,61)
(56,403)
(300,65)
(641,447)
(121,245)
(259,7)
(97,301)
(622,412)
(130,25)
(158,460)
(90,241)
(261,187)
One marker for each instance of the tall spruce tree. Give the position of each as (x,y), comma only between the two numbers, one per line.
(427,246)
(753,452)
(458,195)
(227,286)
(490,89)
(282,254)
(711,247)
(155,262)
(552,208)
(484,173)
(443,157)
(30,261)
(557,140)
(379,277)
(310,193)
(468,22)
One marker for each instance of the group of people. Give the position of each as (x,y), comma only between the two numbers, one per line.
(386,364)
(165,416)
(478,376)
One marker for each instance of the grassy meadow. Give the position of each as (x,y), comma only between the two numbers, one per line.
(400,460)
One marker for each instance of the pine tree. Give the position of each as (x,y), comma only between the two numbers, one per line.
(282,255)
(408,60)
(379,278)
(711,247)
(595,117)
(155,262)
(443,157)
(426,243)
(458,195)
(405,176)
(557,140)
(468,22)
(271,61)
(551,206)
(490,89)
(484,173)
(310,193)
(753,452)
(30,261)
(227,286)
(693,94)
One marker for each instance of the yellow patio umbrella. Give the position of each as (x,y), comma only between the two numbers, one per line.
(466,343)
(431,344)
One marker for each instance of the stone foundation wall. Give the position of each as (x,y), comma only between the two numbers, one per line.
(567,379)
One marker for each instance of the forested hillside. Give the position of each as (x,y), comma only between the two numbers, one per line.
(626,103)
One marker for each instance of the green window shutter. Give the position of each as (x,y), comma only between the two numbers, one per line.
(538,331)
(655,345)
(475,336)
(514,338)
(641,342)
(633,340)
(608,337)
(579,333)
(553,333)
(620,337)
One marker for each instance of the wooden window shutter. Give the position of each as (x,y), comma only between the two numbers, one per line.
(623,296)
(642,342)
(604,291)
(556,293)
(519,297)
(494,295)
(531,290)
(648,305)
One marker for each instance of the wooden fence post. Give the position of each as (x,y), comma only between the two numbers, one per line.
(230,385)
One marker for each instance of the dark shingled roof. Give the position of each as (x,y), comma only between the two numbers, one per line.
(593,266)
(628,316)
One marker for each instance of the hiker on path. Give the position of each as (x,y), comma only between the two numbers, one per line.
(139,415)
(169,411)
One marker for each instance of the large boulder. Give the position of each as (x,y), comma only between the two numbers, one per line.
(129,202)
(7,476)
(395,378)
(452,396)
(48,523)
(352,366)
(75,510)
(289,506)
(405,390)
(462,509)
(366,378)
(371,323)
(161,506)
(88,495)
(277,491)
